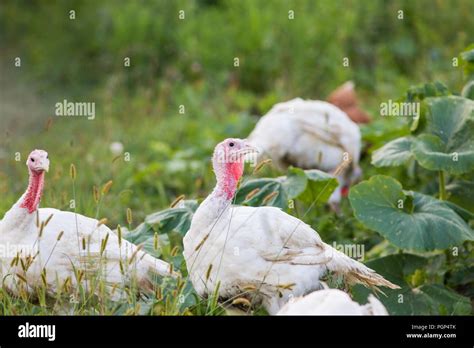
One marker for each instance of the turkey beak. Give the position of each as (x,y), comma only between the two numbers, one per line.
(247,149)
(45,165)
(248,152)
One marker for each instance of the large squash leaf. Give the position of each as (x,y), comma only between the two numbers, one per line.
(394,153)
(467,60)
(407,219)
(176,219)
(468,90)
(264,191)
(319,185)
(427,299)
(306,185)
(461,192)
(426,90)
(448,140)
(417,94)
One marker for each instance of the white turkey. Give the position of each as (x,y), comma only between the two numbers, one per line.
(311,134)
(44,246)
(260,252)
(331,302)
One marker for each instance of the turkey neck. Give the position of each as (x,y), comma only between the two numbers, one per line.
(21,216)
(32,197)
(220,199)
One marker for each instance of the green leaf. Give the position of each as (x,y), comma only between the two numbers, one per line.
(295,182)
(265,191)
(448,142)
(446,116)
(306,185)
(320,185)
(465,214)
(406,270)
(379,131)
(417,94)
(468,90)
(461,192)
(176,219)
(420,92)
(467,60)
(382,205)
(468,55)
(431,153)
(394,153)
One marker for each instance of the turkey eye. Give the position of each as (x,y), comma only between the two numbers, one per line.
(231,144)
(32,159)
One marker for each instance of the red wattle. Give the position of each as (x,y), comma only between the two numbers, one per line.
(345,191)
(236,169)
(34,192)
(233,172)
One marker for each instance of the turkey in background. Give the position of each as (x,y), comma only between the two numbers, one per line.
(311,134)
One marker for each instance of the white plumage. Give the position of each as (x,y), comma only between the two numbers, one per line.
(311,135)
(60,248)
(331,302)
(261,252)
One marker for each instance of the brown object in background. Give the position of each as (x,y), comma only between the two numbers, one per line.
(345,98)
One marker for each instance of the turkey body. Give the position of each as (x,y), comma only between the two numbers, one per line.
(245,247)
(310,135)
(52,249)
(69,243)
(261,253)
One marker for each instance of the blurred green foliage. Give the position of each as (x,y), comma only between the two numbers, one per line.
(301,56)
(189,63)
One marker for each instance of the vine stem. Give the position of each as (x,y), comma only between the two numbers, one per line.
(442,188)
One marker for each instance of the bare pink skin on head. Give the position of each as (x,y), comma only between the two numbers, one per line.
(228,163)
(37,164)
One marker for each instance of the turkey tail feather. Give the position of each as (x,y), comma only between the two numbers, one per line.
(356,272)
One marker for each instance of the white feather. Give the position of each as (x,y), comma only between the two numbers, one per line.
(331,302)
(309,134)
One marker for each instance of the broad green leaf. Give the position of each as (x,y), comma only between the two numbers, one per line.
(377,132)
(319,188)
(306,185)
(433,154)
(394,153)
(447,116)
(468,90)
(448,139)
(416,94)
(265,191)
(420,92)
(382,205)
(405,270)
(461,192)
(468,54)
(467,60)
(295,182)
(176,219)
(465,214)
